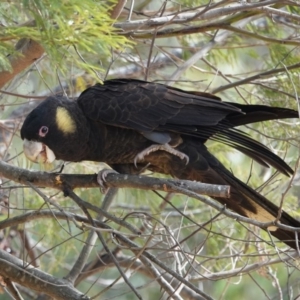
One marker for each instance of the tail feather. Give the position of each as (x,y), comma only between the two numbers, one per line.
(259,113)
(226,133)
(255,150)
(243,199)
(264,210)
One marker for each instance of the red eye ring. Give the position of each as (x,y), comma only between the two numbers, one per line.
(43,131)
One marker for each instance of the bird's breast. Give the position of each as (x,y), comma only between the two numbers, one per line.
(116,145)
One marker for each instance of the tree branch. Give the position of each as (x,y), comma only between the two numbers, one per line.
(60,181)
(28,52)
(36,279)
(185,17)
(250,79)
(65,182)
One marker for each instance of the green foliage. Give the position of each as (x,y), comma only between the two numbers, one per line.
(4,62)
(61,27)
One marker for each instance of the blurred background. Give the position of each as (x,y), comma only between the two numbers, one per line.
(242,51)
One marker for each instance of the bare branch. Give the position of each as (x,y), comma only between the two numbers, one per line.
(196,15)
(90,241)
(13,290)
(247,268)
(36,279)
(252,79)
(60,181)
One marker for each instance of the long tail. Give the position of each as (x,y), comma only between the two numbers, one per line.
(204,167)
(244,143)
(258,113)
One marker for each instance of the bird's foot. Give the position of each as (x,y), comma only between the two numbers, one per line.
(101,178)
(165,147)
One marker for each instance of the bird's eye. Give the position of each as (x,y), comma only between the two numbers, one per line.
(43,131)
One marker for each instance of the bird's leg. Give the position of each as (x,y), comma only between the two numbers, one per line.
(101,178)
(164,147)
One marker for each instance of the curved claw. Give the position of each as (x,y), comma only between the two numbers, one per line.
(139,157)
(187,159)
(101,178)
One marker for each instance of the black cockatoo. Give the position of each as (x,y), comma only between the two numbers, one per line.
(133,124)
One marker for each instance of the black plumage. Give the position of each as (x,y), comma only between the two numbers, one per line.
(115,122)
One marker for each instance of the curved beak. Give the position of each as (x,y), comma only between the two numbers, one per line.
(38,152)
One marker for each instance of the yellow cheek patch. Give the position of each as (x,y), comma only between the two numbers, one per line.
(64,121)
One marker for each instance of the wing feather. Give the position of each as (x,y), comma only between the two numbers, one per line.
(151,107)
(146,106)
